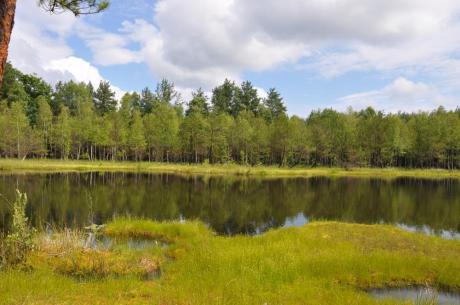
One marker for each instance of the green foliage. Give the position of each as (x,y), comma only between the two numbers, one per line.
(131,102)
(194,133)
(104,99)
(240,137)
(219,130)
(199,102)
(225,97)
(77,7)
(26,89)
(18,139)
(62,133)
(19,124)
(248,99)
(71,95)
(235,126)
(10,78)
(165,92)
(161,132)
(19,242)
(274,105)
(147,101)
(136,137)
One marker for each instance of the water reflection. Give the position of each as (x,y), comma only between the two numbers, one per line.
(235,205)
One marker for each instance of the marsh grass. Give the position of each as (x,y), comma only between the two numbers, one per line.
(68,253)
(167,231)
(320,263)
(44,165)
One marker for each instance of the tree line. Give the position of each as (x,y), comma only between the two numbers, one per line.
(233,125)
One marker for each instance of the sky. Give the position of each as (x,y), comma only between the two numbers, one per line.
(393,55)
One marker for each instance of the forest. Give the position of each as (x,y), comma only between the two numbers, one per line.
(233,125)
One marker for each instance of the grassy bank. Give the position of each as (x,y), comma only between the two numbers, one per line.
(320,263)
(30,166)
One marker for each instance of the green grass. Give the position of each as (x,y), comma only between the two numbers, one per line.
(43,165)
(320,263)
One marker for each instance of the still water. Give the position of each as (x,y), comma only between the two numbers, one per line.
(234,205)
(417,295)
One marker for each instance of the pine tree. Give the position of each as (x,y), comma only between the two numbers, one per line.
(148,101)
(224,96)
(104,99)
(274,104)
(248,99)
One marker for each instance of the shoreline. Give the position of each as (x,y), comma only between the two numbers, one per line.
(51,166)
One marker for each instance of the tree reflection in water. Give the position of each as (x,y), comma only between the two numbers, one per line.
(232,205)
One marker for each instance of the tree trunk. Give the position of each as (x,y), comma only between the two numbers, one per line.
(7,10)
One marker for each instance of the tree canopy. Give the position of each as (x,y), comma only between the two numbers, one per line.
(231,125)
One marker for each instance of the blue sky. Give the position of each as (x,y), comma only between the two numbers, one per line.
(392,55)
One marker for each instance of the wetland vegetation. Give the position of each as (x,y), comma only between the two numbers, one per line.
(320,263)
(222,199)
(137,260)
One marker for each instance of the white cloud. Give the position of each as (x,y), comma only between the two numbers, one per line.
(33,41)
(401,95)
(78,69)
(108,48)
(374,22)
(199,43)
(38,45)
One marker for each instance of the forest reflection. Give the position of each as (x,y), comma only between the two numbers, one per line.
(233,205)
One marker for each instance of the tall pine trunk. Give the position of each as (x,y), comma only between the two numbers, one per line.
(7,10)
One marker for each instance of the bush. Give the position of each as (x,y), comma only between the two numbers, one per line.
(19,242)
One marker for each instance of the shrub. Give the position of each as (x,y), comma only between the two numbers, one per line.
(19,242)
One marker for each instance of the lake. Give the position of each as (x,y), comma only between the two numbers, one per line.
(232,205)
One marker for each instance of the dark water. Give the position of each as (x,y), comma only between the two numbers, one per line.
(236,205)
